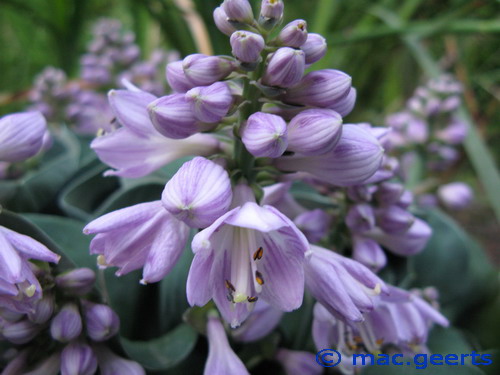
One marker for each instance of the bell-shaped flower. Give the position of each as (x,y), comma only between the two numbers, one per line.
(314,47)
(173,117)
(355,158)
(21,136)
(67,324)
(222,21)
(78,358)
(248,253)
(210,104)
(314,132)
(285,68)
(145,235)
(101,322)
(111,364)
(321,88)
(456,195)
(265,135)
(203,70)
(138,149)
(294,34)
(247,46)
(345,287)
(222,360)
(199,193)
(238,10)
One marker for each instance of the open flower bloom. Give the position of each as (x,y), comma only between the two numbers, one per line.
(145,235)
(138,149)
(221,358)
(247,253)
(19,287)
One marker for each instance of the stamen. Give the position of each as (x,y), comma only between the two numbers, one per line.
(252,299)
(258,278)
(230,297)
(379,342)
(258,254)
(101,261)
(30,291)
(230,286)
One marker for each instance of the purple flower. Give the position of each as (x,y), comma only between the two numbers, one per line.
(238,10)
(19,287)
(43,309)
(21,135)
(210,104)
(145,235)
(314,224)
(199,193)
(78,281)
(67,324)
(345,287)
(455,133)
(294,34)
(221,358)
(298,362)
(176,77)
(20,332)
(249,252)
(360,218)
(314,47)
(368,252)
(137,149)
(355,158)
(346,105)
(278,196)
(247,46)
(77,358)
(202,70)
(456,195)
(222,21)
(111,364)
(285,68)
(263,319)
(173,117)
(265,135)
(272,9)
(101,321)
(321,88)
(394,219)
(314,132)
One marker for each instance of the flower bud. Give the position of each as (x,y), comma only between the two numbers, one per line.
(369,253)
(321,88)
(294,34)
(210,103)
(202,70)
(222,22)
(394,219)
(361,193)
(238,10)
(79,281)
(173,117)
(454,133)
(101,321)
(360,218)
(77,358)
(265,135)
(285,68)
(247,46)
(345,105)
(20,332)
(44,309)
(67,324)
(455,196)
(314,131)
(272,9)
(388,193)
(176,78)
(314,47)
(21,135)
(314,224)
(356,157)
(406,199)
(199,193)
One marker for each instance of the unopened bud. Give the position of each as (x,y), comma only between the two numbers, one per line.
(79,281)
(294,34)
(44,309)
(77,358)
(102,322)
(314,47)
(247,46)
(67,324)
(20,332)
(285,68)
(265,135)
(238,10)
(222,22)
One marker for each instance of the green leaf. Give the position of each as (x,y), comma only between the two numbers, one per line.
(164,352)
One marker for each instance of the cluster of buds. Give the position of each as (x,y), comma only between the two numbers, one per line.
(23,136)
(430,124)
(112,58)
(49,320)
